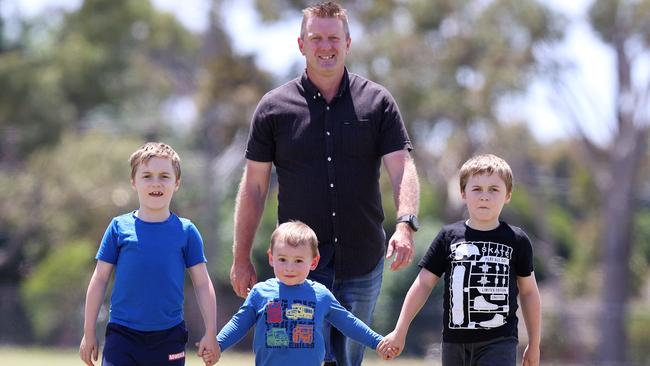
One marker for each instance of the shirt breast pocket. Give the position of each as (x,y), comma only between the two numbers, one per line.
(359,139)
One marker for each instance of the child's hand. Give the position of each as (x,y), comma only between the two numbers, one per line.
(209,349)
(88,349)
(208,358)
(391,346)
(531,356)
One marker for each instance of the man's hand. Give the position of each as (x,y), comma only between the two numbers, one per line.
(400,246)
(242,277)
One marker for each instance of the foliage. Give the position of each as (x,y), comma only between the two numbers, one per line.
(52,293)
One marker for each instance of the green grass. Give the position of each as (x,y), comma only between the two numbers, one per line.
(68,357)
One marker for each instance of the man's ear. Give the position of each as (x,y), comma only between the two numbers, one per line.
(300,45)
(314,263)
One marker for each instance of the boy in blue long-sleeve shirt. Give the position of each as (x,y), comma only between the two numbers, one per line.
(289,311)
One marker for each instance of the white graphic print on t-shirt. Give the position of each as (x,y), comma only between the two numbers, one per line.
(479,289)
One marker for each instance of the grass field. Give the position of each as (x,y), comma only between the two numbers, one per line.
(11,356)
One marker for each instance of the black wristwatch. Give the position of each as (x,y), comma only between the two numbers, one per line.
(412,220)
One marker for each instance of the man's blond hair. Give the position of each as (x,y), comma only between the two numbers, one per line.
(155,149)
(327,9)
(295,234)
(486,164)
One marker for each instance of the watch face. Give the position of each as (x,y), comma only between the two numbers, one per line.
(414,222)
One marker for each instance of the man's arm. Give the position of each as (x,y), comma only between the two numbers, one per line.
(249,207)
(531,310)
(406,193)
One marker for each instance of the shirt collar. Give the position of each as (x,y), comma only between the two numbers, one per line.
(312,90)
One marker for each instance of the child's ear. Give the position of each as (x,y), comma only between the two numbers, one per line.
(270,257)
(177,185)
(314,262)
(508,196)
(133,184)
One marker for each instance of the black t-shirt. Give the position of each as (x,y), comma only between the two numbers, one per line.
(328,158)
(480,275)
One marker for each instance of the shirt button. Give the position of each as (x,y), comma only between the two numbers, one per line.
(319,94)
(328,108)
(336,240)
(327,133)
(314,97)
(331,185)
(333,213)
(329,158)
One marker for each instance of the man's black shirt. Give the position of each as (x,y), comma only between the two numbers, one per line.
(328,159)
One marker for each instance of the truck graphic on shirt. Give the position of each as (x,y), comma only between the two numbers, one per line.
(277,337)
(300,311)
(303,333)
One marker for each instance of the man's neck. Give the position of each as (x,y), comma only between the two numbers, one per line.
(328,85)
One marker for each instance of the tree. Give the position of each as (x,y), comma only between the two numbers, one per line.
(623,26)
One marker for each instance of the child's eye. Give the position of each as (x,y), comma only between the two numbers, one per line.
(282,260)
(298,260)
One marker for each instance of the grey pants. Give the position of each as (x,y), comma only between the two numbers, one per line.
(500,351)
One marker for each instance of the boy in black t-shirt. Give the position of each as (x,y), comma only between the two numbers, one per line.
(486,263)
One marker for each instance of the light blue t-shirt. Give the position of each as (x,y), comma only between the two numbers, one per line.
(289,323)
(150,259)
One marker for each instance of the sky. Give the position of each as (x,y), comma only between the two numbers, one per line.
(276,50)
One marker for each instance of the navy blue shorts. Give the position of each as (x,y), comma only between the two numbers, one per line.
(129,347)
(500,351)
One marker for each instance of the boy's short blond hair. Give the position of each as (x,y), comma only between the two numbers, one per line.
(486,164)
(328,9)
(295,234)
(158,150)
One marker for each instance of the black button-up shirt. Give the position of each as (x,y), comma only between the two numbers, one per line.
(328,159)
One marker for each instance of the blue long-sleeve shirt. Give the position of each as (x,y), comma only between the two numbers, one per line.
(289,323)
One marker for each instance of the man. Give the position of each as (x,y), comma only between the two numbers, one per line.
(327,133)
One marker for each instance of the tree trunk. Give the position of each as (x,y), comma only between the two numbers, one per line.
(618,194)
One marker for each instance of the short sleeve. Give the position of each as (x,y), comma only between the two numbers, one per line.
(108,249)
(261,145)
(194,248)
(435,259)
(394,136)
(525,255)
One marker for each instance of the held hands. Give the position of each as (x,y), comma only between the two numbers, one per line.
(401,246)
(391,346)
(242,277)
(209,350)
(89,348)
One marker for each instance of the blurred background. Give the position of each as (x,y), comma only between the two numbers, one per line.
(561,90)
